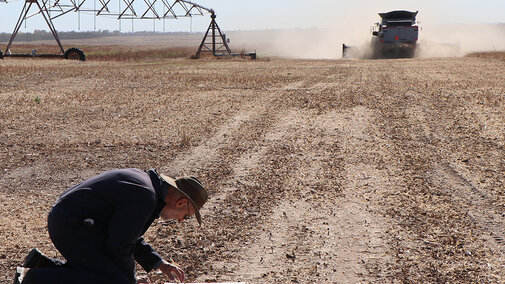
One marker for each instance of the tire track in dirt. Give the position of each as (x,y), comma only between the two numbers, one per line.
(245,173)
(448,233)
(489,217)
(365,253)
(254,263)
(214,155)
(207,153)
(297,242)
(474,202)
(246,166)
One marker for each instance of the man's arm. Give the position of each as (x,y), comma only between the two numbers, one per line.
(150,259)
(131,212)
(146,256)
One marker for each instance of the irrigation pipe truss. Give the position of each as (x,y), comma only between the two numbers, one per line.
(126,9)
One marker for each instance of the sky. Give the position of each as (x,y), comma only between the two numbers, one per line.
(233,15)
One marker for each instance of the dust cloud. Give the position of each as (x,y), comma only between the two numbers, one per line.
(460,39)
(316,43)
(451,40)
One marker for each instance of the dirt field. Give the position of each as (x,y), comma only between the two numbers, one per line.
(319,171)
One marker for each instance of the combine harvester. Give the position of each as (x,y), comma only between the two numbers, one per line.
(394,37)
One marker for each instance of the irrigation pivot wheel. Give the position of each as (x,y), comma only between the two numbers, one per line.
(74,53)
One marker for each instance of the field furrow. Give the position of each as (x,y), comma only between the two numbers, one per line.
(319,171)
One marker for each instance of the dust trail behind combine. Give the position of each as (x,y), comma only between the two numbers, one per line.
(326,43)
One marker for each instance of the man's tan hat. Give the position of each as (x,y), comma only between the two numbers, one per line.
(192,189)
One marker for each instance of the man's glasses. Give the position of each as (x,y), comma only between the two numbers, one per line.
(187,215)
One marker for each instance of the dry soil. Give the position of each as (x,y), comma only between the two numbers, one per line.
(389,171)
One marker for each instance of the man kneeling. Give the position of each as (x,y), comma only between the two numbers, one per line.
(97,225)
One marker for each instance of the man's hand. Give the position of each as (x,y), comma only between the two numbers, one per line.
(172,271)
(143,280)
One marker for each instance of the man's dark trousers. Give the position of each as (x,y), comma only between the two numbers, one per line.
(83,246)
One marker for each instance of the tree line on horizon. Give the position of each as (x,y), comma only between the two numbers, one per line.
(46,35)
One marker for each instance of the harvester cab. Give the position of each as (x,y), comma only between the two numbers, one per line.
(397,26)
(395,36)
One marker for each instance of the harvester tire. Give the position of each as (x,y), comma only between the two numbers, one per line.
(74,53)
(1,55)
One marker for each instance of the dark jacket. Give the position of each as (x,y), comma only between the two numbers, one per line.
(120,204)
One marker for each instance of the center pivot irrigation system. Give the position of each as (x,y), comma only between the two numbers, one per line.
(214,41)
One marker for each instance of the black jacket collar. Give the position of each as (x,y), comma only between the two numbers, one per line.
(161,189)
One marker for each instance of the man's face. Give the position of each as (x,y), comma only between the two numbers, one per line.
(180,210)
